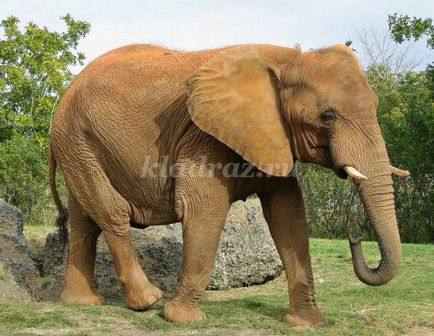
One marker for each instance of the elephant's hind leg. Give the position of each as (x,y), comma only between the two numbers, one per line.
(97,197)
(113,218)
(139,292)
(79,278)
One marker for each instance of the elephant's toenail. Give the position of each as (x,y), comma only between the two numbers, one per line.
(152,300)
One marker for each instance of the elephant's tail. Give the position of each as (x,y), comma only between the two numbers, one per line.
(62,219)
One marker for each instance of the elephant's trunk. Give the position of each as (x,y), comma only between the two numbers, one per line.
(378,200)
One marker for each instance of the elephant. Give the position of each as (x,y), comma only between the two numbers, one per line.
(146,135)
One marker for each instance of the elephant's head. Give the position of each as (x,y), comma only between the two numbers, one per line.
(275,105)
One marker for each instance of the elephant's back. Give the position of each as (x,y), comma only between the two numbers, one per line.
(125,56)
(144,61)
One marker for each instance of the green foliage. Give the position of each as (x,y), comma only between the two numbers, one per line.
(403,27)
(23,172)
(34,71)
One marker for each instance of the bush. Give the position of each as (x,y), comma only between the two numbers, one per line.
(332,205)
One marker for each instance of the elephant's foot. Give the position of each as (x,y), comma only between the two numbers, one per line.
(311,317)
(178,311)
(142,296)
(81,296)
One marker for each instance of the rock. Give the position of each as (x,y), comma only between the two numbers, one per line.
(53,256)
(246,255)
(9,288)
(14,251)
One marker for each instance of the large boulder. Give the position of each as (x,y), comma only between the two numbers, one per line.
(246,255)
(15,260)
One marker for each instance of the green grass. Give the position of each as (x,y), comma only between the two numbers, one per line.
(400,307)
(37,231)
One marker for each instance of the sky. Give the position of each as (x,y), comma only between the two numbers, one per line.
(203,24)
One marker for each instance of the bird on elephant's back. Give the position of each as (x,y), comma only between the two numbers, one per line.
(149,136)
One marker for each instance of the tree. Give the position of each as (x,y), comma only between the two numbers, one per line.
(403,27)
(34,71)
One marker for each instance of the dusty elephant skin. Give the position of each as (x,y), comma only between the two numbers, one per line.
(149,136)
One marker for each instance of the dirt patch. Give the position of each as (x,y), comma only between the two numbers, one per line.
(48,332)
(244,332)
(421,331)
(238,293)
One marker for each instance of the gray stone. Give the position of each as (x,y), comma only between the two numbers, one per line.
(246,255)
(9,288)
(53,262)
(14,251)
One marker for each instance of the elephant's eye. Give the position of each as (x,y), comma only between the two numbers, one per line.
(328,116)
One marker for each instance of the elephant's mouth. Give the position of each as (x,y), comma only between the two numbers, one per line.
(340,172)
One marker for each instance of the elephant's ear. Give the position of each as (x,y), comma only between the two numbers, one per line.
(235,98)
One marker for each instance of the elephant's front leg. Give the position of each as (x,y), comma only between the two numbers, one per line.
(202,224)
(284,211)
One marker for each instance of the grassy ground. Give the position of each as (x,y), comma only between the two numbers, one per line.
(405,306)
(37,232)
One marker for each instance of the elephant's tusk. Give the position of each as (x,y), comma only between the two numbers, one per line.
(354,173)
(399,172)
